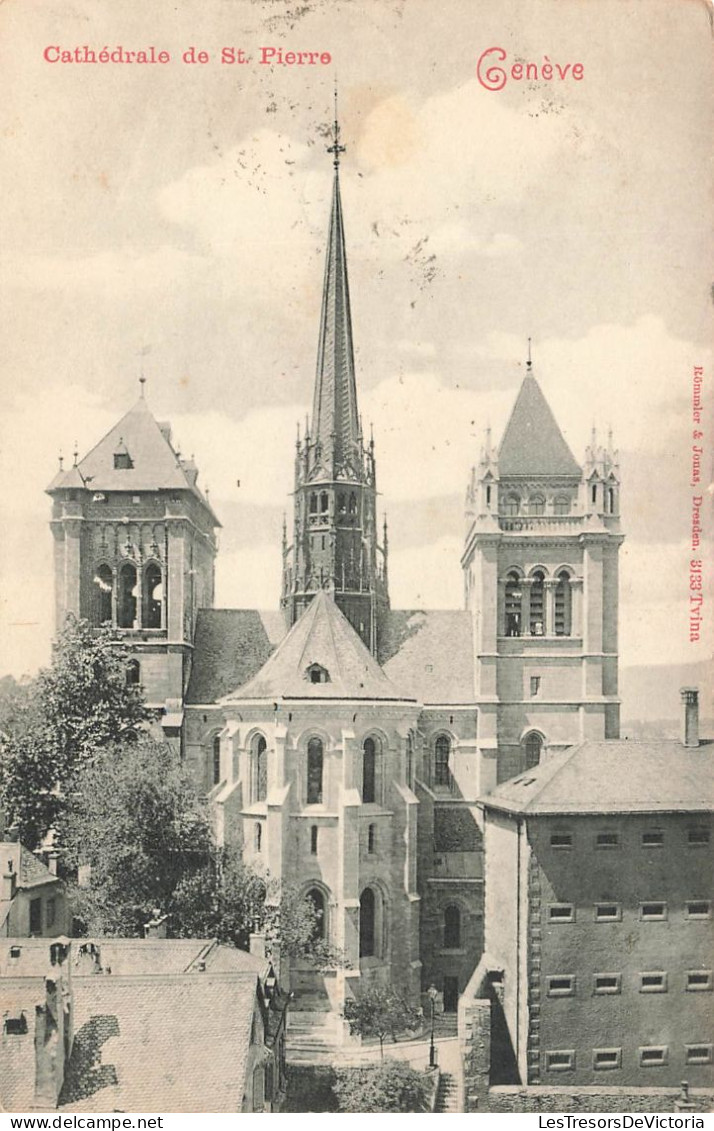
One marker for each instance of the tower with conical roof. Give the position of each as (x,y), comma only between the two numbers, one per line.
(135,547)
(541,581)
(335,545)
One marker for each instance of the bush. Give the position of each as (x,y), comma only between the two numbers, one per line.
(390,1086)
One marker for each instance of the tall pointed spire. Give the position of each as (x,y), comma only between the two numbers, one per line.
(335,419)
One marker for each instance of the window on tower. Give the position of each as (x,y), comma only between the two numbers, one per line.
(313,503)
(314,771)
(259,758)
(514,597)
(126,605)
(104,582)
(563,605)
(353,503)
(369,771)
(324,502)
(442,751)
(537,604)
(342,504)
(536,504)
(561,505)
(512,505)
(153,596)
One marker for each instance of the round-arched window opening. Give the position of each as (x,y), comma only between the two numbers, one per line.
(367,923)
(369,771)
(153,596)
(534,749)
(314,771)
(319,926)
(127,610)
(104,582)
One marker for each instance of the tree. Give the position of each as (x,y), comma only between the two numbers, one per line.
(224,899)
(79,705)
(135,819)
(291,922)
(390,1086)
(381,1011)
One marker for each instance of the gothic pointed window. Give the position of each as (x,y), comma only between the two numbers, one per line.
(317,900)
(216,753)
(537,604)
(104,588)
(153,596)
(452,928)
(313,503)
(533,749)
(126,610)
(342,504)
(259,752)
(514,597)
(372,839)
(367,924)
(610,501)
(324,502)
(353,503)
(369,771)
(314,771)
(442,750)
(536,504)
(563,605)
(512,505)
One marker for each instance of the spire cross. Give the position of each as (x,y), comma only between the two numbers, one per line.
(336,148)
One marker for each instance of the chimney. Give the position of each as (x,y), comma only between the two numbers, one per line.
(256,944)
(8,887)
(690,718)
(156,927)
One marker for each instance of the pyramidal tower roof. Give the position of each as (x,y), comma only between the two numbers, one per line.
(322,657)
(335,419)
(533,443)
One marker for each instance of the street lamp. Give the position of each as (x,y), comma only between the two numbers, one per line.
(432,993)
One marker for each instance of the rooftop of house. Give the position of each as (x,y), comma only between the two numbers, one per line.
(613,776)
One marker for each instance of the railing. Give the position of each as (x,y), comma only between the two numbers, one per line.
(540,523)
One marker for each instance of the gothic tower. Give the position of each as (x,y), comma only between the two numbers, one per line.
(541,581)
(134,548)
(335,545)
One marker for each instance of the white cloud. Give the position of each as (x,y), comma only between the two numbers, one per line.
(427,576)
(249,578)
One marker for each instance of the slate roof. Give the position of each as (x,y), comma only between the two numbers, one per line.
(429,653)
(167,1043)
(613,776)
(30,871)
(155,464)
(322,636)
(533,443)
(230,646)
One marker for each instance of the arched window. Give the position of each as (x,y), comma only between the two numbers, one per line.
(442,749)
(313,503)
(610,501)
(536,504)
(512,505)
(537,605)
(324,502)
(260,767)
(126,612)
(452,928)
(104,582)
(563,605)
(353,503)
(342,503)
(367,924)
(216,760)
(258,836)
(153,596)
(534,748)
(314,771)
(317,899)
(514,597)
(313,840)
(561,505)
(372,839)
(369,771)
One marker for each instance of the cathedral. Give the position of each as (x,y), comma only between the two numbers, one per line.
(343,744)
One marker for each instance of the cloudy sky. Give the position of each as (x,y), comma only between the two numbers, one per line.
(174,218)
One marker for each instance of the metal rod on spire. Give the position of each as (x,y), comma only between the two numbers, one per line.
(529,363)
(336,149)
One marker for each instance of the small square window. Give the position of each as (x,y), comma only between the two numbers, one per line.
(560,1060)
(699,1054)
(653,1056)
(561,913)
(15,1026)
(608,983)
(15,951)
(698,834)
(608,912)
(698,909)
(607,1058)
(699,980)
(561,985)
(653,910)
(561,840)
(652,838)
(607,840)
(653,982)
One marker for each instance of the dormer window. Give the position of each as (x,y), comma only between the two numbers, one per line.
(122,459)
(317,674)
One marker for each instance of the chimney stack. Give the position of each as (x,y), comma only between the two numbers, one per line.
(8,886)
(690,718)
(156,927)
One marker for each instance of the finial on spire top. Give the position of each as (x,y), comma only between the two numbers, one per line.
(529,363)
(75,453)
(336,149)
(142,382)
(61,462)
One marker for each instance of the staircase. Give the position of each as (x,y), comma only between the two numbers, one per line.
(313,1036)
(447,1095)
(445,1025)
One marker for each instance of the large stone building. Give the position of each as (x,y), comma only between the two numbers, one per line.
(343,743)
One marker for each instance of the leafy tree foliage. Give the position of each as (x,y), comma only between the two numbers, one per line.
(224,899)
(77,707)
(381,1011)
(135,819)
(291,922)
(390,1086)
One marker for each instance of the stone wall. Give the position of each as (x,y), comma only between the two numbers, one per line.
(513,1098)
